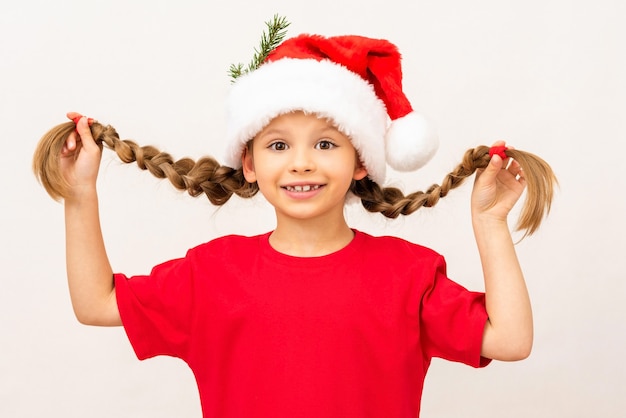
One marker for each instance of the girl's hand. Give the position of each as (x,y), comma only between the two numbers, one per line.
(497,188)
(80,157)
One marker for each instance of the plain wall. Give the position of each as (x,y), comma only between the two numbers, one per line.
(546,75)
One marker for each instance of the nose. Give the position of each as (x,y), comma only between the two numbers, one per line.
(303,161)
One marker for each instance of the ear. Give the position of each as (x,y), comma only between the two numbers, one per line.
(247,164)
(359,171)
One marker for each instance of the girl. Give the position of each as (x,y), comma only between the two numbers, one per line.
(312,319)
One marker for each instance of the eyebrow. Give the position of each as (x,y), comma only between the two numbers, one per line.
(272,131)
(282,132)
(330,128)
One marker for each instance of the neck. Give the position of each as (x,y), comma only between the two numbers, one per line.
(310,238)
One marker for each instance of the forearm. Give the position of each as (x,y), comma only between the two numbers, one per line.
(89,272)
(509,332)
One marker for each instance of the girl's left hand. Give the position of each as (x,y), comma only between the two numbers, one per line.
(497,188)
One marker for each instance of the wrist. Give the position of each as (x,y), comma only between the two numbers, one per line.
(81,194)
(486,221)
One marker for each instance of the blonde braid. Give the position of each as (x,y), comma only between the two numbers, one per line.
(391,202)
(206,176)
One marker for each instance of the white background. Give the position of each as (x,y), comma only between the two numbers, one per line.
(546,75)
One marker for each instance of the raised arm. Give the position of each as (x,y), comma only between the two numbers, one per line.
(89,272)
(508,333)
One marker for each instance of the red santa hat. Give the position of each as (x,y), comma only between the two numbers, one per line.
(355,82)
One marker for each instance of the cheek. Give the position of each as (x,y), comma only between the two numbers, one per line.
(345,165)
(265,173)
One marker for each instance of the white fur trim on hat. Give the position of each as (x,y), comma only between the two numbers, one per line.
(411,142)
(321,87)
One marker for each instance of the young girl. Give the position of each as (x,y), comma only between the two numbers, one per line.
(312,319)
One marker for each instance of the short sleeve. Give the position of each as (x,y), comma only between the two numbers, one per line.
(156,309)
(452,320)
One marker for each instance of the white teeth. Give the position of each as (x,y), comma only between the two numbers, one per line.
(306,188)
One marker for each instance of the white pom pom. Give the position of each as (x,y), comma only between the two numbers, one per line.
(410,142)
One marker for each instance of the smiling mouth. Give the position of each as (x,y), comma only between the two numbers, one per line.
(306,188)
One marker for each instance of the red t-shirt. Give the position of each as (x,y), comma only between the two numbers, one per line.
(349,334)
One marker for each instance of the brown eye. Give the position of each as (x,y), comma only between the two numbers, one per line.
(325,144)
(278,146)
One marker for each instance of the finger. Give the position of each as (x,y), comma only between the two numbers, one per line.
(69,146)
(514,167)
(71,143)
(519,175)
(513,175)
(73,115)
(85,133)
(492,170)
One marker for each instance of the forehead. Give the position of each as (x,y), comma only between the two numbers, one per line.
(300,117)
(297,121)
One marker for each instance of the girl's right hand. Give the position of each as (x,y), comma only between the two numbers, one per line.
(80,158)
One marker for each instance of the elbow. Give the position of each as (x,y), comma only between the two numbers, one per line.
(527,350)
(523,347)
(97,311)
(521,353)
(94,317)
(85,318)
(517,351)
(509,347)
(83,312)
(95,320)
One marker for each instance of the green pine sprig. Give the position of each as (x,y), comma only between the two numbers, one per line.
(276,31)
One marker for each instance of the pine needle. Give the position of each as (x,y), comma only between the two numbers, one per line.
(276,31)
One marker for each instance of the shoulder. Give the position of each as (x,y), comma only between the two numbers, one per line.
(399,260)
(395,246)
(227,246)
(398,255)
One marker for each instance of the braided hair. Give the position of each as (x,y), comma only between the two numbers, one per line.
(219,182)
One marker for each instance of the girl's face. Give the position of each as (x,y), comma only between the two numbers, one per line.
(303,166)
